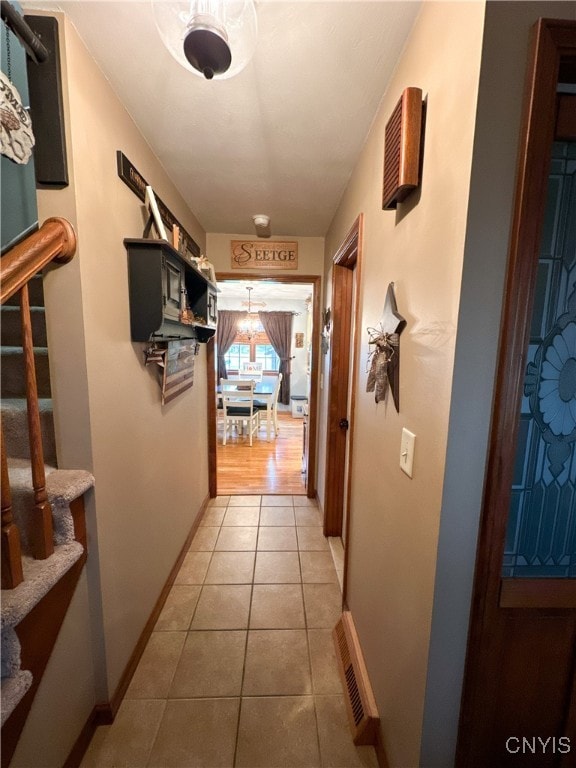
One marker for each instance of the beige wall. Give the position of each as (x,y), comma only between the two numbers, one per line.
(310,254)
(149,461)
(394,519)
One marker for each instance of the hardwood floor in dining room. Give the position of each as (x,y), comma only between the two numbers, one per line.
(266,467)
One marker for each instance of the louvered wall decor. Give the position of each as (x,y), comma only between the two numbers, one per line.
(360,702)
(402,140)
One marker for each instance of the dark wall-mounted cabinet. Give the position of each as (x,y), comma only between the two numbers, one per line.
(169,297)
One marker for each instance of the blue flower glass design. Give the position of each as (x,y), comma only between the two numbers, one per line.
(541,529)
(557,389)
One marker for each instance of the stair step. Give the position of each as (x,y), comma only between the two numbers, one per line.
(13,372)
(15,424)
(35,292)
(13,691)
(22,493)
(11,333)
(39,578)
(62,487)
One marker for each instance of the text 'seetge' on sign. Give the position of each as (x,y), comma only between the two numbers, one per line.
(250,254)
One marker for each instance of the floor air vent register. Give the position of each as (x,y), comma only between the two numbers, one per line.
(360,702)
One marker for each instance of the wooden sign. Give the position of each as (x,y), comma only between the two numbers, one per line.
(257,254)
(137,183)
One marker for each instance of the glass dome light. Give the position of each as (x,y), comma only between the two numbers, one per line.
(211,38)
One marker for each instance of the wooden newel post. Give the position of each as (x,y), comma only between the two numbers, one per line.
(42,529)
(11,554)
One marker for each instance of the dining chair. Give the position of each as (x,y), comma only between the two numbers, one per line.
(270,408)
(238,406)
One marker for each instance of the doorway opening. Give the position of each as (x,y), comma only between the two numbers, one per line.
(341,396)
(282,457)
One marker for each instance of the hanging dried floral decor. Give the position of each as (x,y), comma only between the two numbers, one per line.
(384,356)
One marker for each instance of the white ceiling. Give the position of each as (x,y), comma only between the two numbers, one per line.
(263,291)
(280,138)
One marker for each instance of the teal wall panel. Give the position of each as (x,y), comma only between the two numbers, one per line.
(19,211)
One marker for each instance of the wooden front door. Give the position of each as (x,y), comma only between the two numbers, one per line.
(346,270)
(519,697)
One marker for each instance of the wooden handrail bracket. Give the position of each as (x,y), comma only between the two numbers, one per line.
(54,241)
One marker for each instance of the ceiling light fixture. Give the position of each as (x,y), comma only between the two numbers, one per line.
(211,38)
(250,325)
(262,224)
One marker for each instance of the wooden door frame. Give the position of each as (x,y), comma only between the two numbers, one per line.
(269,276)
(346,270)
(552,40)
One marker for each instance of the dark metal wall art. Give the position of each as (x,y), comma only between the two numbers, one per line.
(384,355)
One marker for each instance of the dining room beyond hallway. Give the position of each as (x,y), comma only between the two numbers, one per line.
(266,467)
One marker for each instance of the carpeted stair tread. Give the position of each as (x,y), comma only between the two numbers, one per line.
(13,691)
(11,661)
(15,424)
(62,487)
(11,333)
(35,292)
(65,485)
(20,473)
(39,578)
(13,381)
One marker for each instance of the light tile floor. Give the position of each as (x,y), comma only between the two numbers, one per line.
(240,669)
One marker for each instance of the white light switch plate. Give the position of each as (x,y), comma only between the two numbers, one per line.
(407,451)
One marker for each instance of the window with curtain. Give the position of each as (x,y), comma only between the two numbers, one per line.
(265,354)
(255,350)
(236,356)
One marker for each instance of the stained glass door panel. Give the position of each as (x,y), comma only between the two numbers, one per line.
(541,533)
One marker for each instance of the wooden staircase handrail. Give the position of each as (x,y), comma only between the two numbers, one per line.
(38,626)
(54,241)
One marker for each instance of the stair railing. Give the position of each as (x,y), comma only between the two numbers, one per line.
(55,241)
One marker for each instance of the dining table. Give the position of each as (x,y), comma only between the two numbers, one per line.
(264,391)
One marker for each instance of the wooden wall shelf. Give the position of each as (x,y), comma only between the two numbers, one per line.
(165,290)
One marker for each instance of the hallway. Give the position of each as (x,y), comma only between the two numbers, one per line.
(240,669)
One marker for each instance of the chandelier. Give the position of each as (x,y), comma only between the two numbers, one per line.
(250,325)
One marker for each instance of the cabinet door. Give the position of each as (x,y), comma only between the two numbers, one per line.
(212,308)
(173,284)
